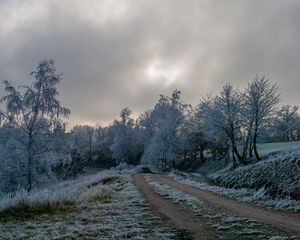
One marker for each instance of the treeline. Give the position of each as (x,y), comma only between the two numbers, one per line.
(36,148)
(175,134)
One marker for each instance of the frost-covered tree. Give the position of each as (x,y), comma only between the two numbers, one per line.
(122,147)
(91,135)
(84,140)
(144,131)
(76,165)
(189,151)
(196,128)
(11,160)
(167,119)
(104,137)
(146,124)
(215,137)
(287,123)
(261,100)
(239,116)
(35,111)
(223,120)
(60,141)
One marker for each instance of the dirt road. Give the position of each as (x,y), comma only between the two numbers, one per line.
(175,215)
(181,218)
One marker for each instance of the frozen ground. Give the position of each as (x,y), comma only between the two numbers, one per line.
(222,224)
(111,209)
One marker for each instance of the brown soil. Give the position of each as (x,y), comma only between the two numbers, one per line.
(175,215)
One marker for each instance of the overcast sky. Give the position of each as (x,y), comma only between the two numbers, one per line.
(118,53)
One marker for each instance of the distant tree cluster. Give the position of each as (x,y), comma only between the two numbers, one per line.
(36,147)
(175,134)
(239,116)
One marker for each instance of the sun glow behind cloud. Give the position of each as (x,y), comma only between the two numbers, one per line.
(158,72)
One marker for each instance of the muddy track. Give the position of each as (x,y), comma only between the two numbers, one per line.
(175,215)
(288,222)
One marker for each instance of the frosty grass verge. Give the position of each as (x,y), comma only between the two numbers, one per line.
(66,192)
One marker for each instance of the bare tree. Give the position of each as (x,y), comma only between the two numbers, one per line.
(91,133)
(167,118)
(261,100)
(76,165)
(223,114)
(287,122)
(122,143)
(83,137)
(34,109)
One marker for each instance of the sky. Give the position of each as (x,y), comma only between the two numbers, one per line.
(124,53)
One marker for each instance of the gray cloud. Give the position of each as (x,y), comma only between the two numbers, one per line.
(125,53)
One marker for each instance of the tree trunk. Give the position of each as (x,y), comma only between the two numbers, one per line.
(247,146)
(236,151)
(233,144)
(201,154)
(250,150)
(91,152)
(29,162)
(255,146)
(234,160)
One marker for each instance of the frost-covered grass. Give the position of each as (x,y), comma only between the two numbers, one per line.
(59,196)
(259,196)
(276,179)
(223,225)
(111,209)
(273,182)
